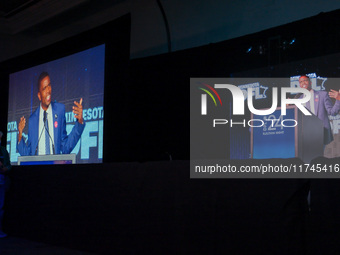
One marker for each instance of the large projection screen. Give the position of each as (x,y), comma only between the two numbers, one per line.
(74,77)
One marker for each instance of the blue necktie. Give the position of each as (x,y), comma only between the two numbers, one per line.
(47,138)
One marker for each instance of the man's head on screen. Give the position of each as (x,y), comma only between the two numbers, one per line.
(44,90)
(305,82)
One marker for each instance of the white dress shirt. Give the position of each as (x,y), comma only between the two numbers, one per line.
(41,146)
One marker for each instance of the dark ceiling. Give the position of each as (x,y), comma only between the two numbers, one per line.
(39,17)
(9,8)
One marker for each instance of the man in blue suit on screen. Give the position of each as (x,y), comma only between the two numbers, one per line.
(47,125)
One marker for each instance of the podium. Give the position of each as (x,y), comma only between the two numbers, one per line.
(294,135)
(47,159)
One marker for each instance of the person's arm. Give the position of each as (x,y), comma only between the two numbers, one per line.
(330,108)
(68,142)
(23,148)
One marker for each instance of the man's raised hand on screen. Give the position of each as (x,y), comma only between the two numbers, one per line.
(334,94)
(21,127)
(78,111)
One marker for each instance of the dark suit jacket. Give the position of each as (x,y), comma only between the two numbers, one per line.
(324,107)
